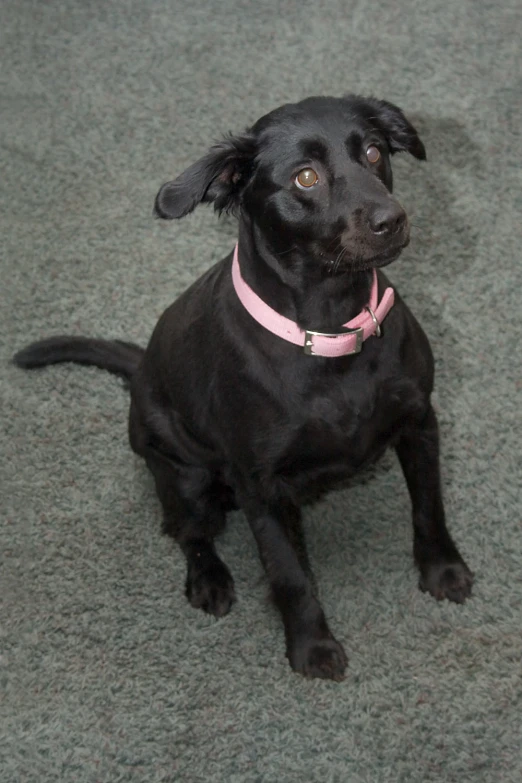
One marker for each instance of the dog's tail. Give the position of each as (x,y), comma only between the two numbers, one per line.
(115,356)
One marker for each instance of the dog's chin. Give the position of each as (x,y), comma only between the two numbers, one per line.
(383,259)
(358,264)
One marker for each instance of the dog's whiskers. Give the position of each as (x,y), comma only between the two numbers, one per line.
(338,260)
(285,252)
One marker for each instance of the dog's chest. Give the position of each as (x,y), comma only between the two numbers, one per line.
(336,432)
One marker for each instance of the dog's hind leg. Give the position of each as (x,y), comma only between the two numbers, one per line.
(193,515)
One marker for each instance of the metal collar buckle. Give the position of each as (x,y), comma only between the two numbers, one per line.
(309,343)
(378,332)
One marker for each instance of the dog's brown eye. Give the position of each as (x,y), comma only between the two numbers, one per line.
(306,178)
(373,154)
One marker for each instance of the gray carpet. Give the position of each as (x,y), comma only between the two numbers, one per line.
(106,673)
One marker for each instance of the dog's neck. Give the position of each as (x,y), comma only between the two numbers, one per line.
(306,293)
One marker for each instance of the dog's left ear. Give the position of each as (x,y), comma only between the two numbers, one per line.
(218,177)
(401,135)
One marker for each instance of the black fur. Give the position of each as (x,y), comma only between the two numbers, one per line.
(226,414)
(115,356)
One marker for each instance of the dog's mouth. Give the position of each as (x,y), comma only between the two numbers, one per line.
(383,259)
(356,263)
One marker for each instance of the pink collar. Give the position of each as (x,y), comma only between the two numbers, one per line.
(359,328)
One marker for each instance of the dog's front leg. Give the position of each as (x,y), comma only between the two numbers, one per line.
(310,645)
(443,571)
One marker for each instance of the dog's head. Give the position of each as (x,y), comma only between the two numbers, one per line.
(312,177)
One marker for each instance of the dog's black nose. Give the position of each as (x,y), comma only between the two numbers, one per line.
(387,220)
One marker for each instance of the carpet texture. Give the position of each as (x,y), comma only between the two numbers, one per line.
(106,673)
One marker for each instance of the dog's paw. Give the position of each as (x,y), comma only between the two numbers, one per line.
(211,589)
(324,658)
(447,580)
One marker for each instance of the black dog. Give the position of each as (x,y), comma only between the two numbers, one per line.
(238,403)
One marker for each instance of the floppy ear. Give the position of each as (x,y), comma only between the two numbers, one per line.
(219,177)
(401,135)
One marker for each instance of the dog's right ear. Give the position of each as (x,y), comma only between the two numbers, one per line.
(218,177)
